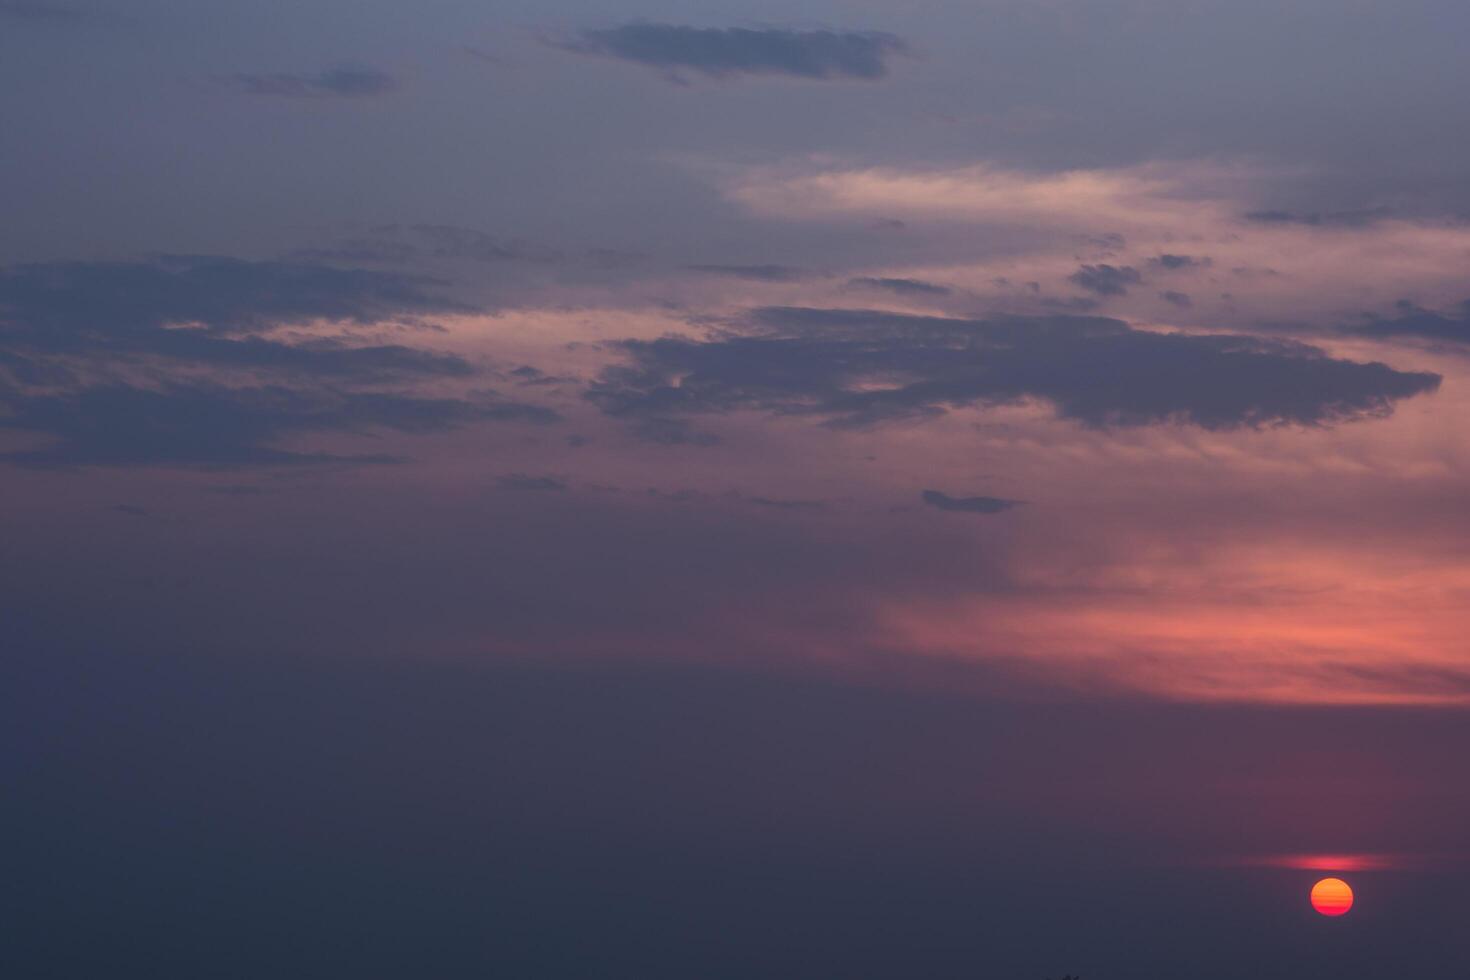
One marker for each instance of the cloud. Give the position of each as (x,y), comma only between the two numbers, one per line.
(759,273)
(225,295)
(967,505)
(1141,197)
(1341,219)
(903,287)
(727,52)
(401,243)
(342,82)
(1179,299)
(853,368)
(527,376)
(173,362)
(1176,262)
(1415,321)
(203,424)
(1106,280)
(521,481)
(134,309)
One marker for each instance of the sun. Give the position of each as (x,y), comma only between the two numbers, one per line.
(1332,896)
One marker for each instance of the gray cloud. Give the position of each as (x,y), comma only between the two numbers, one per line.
(862,367)
(402,243)
(1176,262)
(725,52)
(903,287)
(66,327)
(527,376)
(522,481)
(1415,321)
(132,309)
(342,82)
(1179,299)
(1342,219)
(226,295)
(967,505)
(1106,280)
(206,424)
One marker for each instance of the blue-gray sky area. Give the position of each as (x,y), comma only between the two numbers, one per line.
(553,489)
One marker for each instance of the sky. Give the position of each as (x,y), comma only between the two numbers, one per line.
(872,489)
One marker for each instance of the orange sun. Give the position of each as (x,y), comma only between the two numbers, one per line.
(1332,896)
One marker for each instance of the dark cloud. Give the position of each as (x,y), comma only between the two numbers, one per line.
(134,309)
(213,425)
(324,358)
(1106,280)
(226,295)
(527,376)
(725,52)
(1341,219)
(1179,299)
(402,243)
(760,273)
(863,367)
(521,481)
(1415,321)
(967,505)
(343,82)
(66,328)
(904,287)
(1175,262)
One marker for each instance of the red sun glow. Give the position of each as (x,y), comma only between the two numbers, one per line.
(1332,896)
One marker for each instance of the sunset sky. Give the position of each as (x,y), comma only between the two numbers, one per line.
(906,489)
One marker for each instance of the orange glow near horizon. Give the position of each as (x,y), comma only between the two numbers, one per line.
(1332,897)
(1338,862)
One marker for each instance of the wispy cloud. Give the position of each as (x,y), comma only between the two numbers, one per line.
(903,287)
(966,505)
(732,51)
(183,360)
(401,243)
